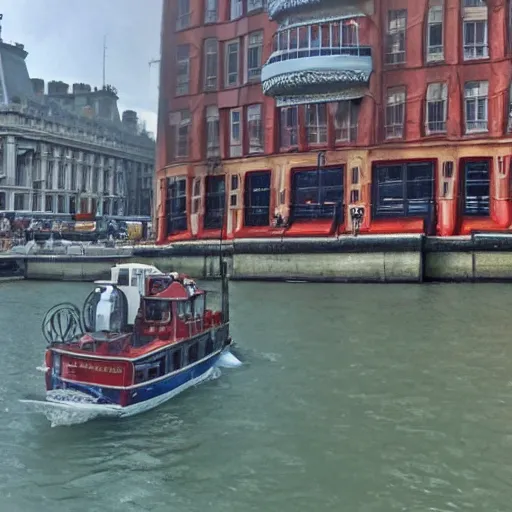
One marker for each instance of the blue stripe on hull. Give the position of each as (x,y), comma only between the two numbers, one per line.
(105,395)
(166,385)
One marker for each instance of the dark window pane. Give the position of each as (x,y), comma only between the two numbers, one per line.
(257,199)
(318,194)
(215,202)
(477,188)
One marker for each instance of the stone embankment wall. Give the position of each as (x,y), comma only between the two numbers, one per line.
(383,259)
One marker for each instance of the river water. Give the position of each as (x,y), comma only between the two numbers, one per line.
(352,398)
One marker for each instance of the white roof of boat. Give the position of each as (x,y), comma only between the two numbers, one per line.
(134,265)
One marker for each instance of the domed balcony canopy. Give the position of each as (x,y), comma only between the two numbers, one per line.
(282,8)
(276,8)
(323,61)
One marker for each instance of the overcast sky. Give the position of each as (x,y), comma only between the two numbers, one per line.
(64,39)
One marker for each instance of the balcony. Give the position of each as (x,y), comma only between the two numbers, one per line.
(342,73)
(320,59)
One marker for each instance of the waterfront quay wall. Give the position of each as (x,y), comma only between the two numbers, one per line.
(64,265)
(365,258)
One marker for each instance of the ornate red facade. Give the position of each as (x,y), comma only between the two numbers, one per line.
(423,146)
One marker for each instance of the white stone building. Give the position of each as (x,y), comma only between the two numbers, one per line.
(66,152)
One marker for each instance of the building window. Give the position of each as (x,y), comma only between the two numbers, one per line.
(257,198)
(20,178)
(316,123)
(395,41)
(236,9)
(476,188)
(437,107)
(211,48)
(403,189)
(212,131)
(235,133)
(49,177)
(181,122)
(176,205)
(317,194)
(95,180)
(3,201)
(475,106)
(475,40)
(345,120)
(254,5)
(36,202)
(73,177)
(183,69)
(215,202)
(61,204)
(254,55)
(211,13)
(255,129)
(395,113)
(48,204)
(435,31)
(19,202)
(232,63)
(183,18)
(289,127)
(106,182)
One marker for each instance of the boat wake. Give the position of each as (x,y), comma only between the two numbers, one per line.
(64,415)
(228,360)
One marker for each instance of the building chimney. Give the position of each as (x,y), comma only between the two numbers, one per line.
(130,120)
(38,86)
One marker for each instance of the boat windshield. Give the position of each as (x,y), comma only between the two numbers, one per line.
(158,311)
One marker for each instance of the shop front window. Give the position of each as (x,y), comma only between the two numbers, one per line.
(403,189)
(176,205)
(257,198)
(215,202)
(317,194)
(477,186)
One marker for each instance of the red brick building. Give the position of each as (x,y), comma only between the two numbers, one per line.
(275,120)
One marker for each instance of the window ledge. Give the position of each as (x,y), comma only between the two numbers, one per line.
(470,59)
(476,131)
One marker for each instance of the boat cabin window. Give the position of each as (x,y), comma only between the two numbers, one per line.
(208,349)
(192,354)
(135,273)
(123,279)
(193,308)
(198,306)
(150,371)
(175,360)
(185,310)
(158,311)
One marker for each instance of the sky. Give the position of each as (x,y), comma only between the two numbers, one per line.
(64,39)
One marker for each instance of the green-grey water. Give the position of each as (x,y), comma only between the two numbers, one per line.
(352,398)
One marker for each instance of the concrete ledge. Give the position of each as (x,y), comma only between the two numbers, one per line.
(10,279)
(369,267)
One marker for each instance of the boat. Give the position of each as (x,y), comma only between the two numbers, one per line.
(140,338)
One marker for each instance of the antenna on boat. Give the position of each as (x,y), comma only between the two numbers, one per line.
(224,265)
(214,163)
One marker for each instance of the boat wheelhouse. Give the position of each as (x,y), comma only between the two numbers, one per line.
(140,339)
